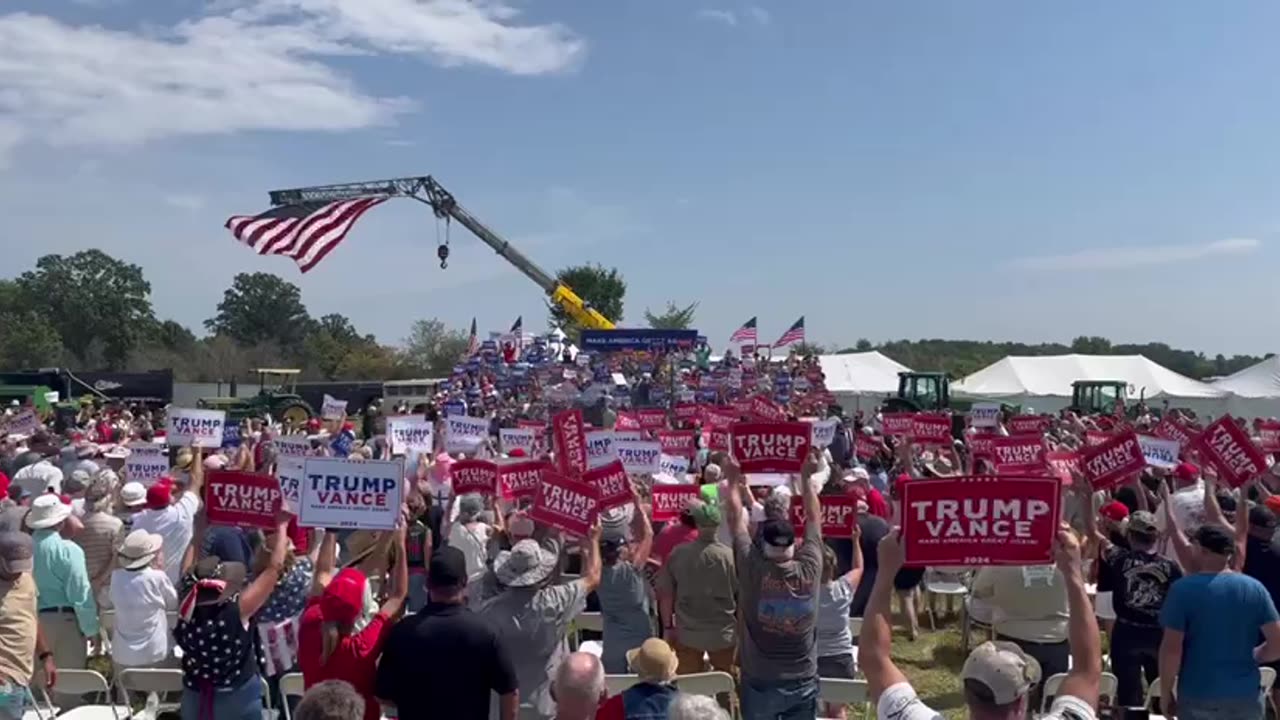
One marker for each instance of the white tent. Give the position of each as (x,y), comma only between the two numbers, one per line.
(1256,389)
(854,376)
(1044,383)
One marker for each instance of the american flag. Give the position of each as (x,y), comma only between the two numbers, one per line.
(517,329)
(745,334)
(473,344)
(306,232)
(794,334)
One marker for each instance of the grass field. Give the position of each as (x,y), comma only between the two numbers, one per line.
(933,664)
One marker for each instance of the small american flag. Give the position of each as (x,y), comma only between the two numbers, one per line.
(306,232)
(794,334)
(745,334)
(517,329)
(473,344)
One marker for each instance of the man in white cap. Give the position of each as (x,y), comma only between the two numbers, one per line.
(997,677)
(68,612)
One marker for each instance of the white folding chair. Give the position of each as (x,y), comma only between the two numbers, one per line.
(291,685)
(87,682)
(707,683)
(1269,681)
(945,582)
(855,630)
(1052,685)
(144,681)
(1153,694)
(617,684)
(835,691)
(590,621)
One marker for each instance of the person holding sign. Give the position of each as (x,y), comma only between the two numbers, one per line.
(532,613)
(342,631)
(624,592)
(835,642)
(997,677)
(779,586)
(219,662)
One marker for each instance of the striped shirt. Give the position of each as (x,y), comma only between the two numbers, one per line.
(100,539)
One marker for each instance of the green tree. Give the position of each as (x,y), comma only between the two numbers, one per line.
(432,349)
(863,345)
(260,307)
(599,288)
(673,318)
(93,301)
(329,344)
(28,341)
(173,336)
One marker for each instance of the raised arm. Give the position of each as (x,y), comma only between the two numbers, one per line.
(812,507)
(1181,548)
(394,603)
(643,531)
(1241,528)
(875,642)
(854,576)
(734,514)
(259,591)
(1085,676)
(197,471)
(592,566)
(326,561)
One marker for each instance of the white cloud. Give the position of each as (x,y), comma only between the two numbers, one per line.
(247,65)
(1127,258)
(724,17)
(760,15)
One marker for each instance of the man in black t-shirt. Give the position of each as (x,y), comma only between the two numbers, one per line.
(444,661)
(1262,557)
(1138,579)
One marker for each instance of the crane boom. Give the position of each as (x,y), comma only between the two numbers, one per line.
(426,190)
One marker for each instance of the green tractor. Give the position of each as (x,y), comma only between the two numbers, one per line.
(919,391)
(278,397)
(1092,397)
(37,396)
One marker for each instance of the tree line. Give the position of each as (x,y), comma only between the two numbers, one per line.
(90,311)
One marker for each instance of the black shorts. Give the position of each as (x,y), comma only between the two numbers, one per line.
(836,666)
(908,579)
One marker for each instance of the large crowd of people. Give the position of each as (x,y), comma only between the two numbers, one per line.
(471,609)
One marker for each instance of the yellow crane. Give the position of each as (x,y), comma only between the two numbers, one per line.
(426,190)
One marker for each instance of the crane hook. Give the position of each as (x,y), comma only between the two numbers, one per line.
(443,253)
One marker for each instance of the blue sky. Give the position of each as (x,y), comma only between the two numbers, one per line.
(1007,170)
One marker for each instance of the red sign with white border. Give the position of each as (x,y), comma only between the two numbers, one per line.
(613,486)
(978,521)
(570,437)
(1225,446)
(1018,454)
(670,500)
(1113,462)
(520,479)
(897,424)
(1019,424)
(930,429)
(565,503)
(242,499)
(474,476)
(839,513)
(770,447)
(765,410)
(678,442)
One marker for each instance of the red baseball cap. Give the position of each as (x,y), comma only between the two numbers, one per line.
(343,598)
(160,495)
(1115,511)
(1186,471)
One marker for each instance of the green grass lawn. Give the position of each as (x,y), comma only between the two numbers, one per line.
(932,663)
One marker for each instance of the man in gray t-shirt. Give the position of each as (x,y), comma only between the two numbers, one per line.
(778,598)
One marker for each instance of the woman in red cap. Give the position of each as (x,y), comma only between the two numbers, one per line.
(342,630)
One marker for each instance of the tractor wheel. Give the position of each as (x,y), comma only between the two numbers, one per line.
(295,412)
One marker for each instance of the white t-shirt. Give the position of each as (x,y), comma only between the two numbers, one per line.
(175,524)
(900,702)
(141,598)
